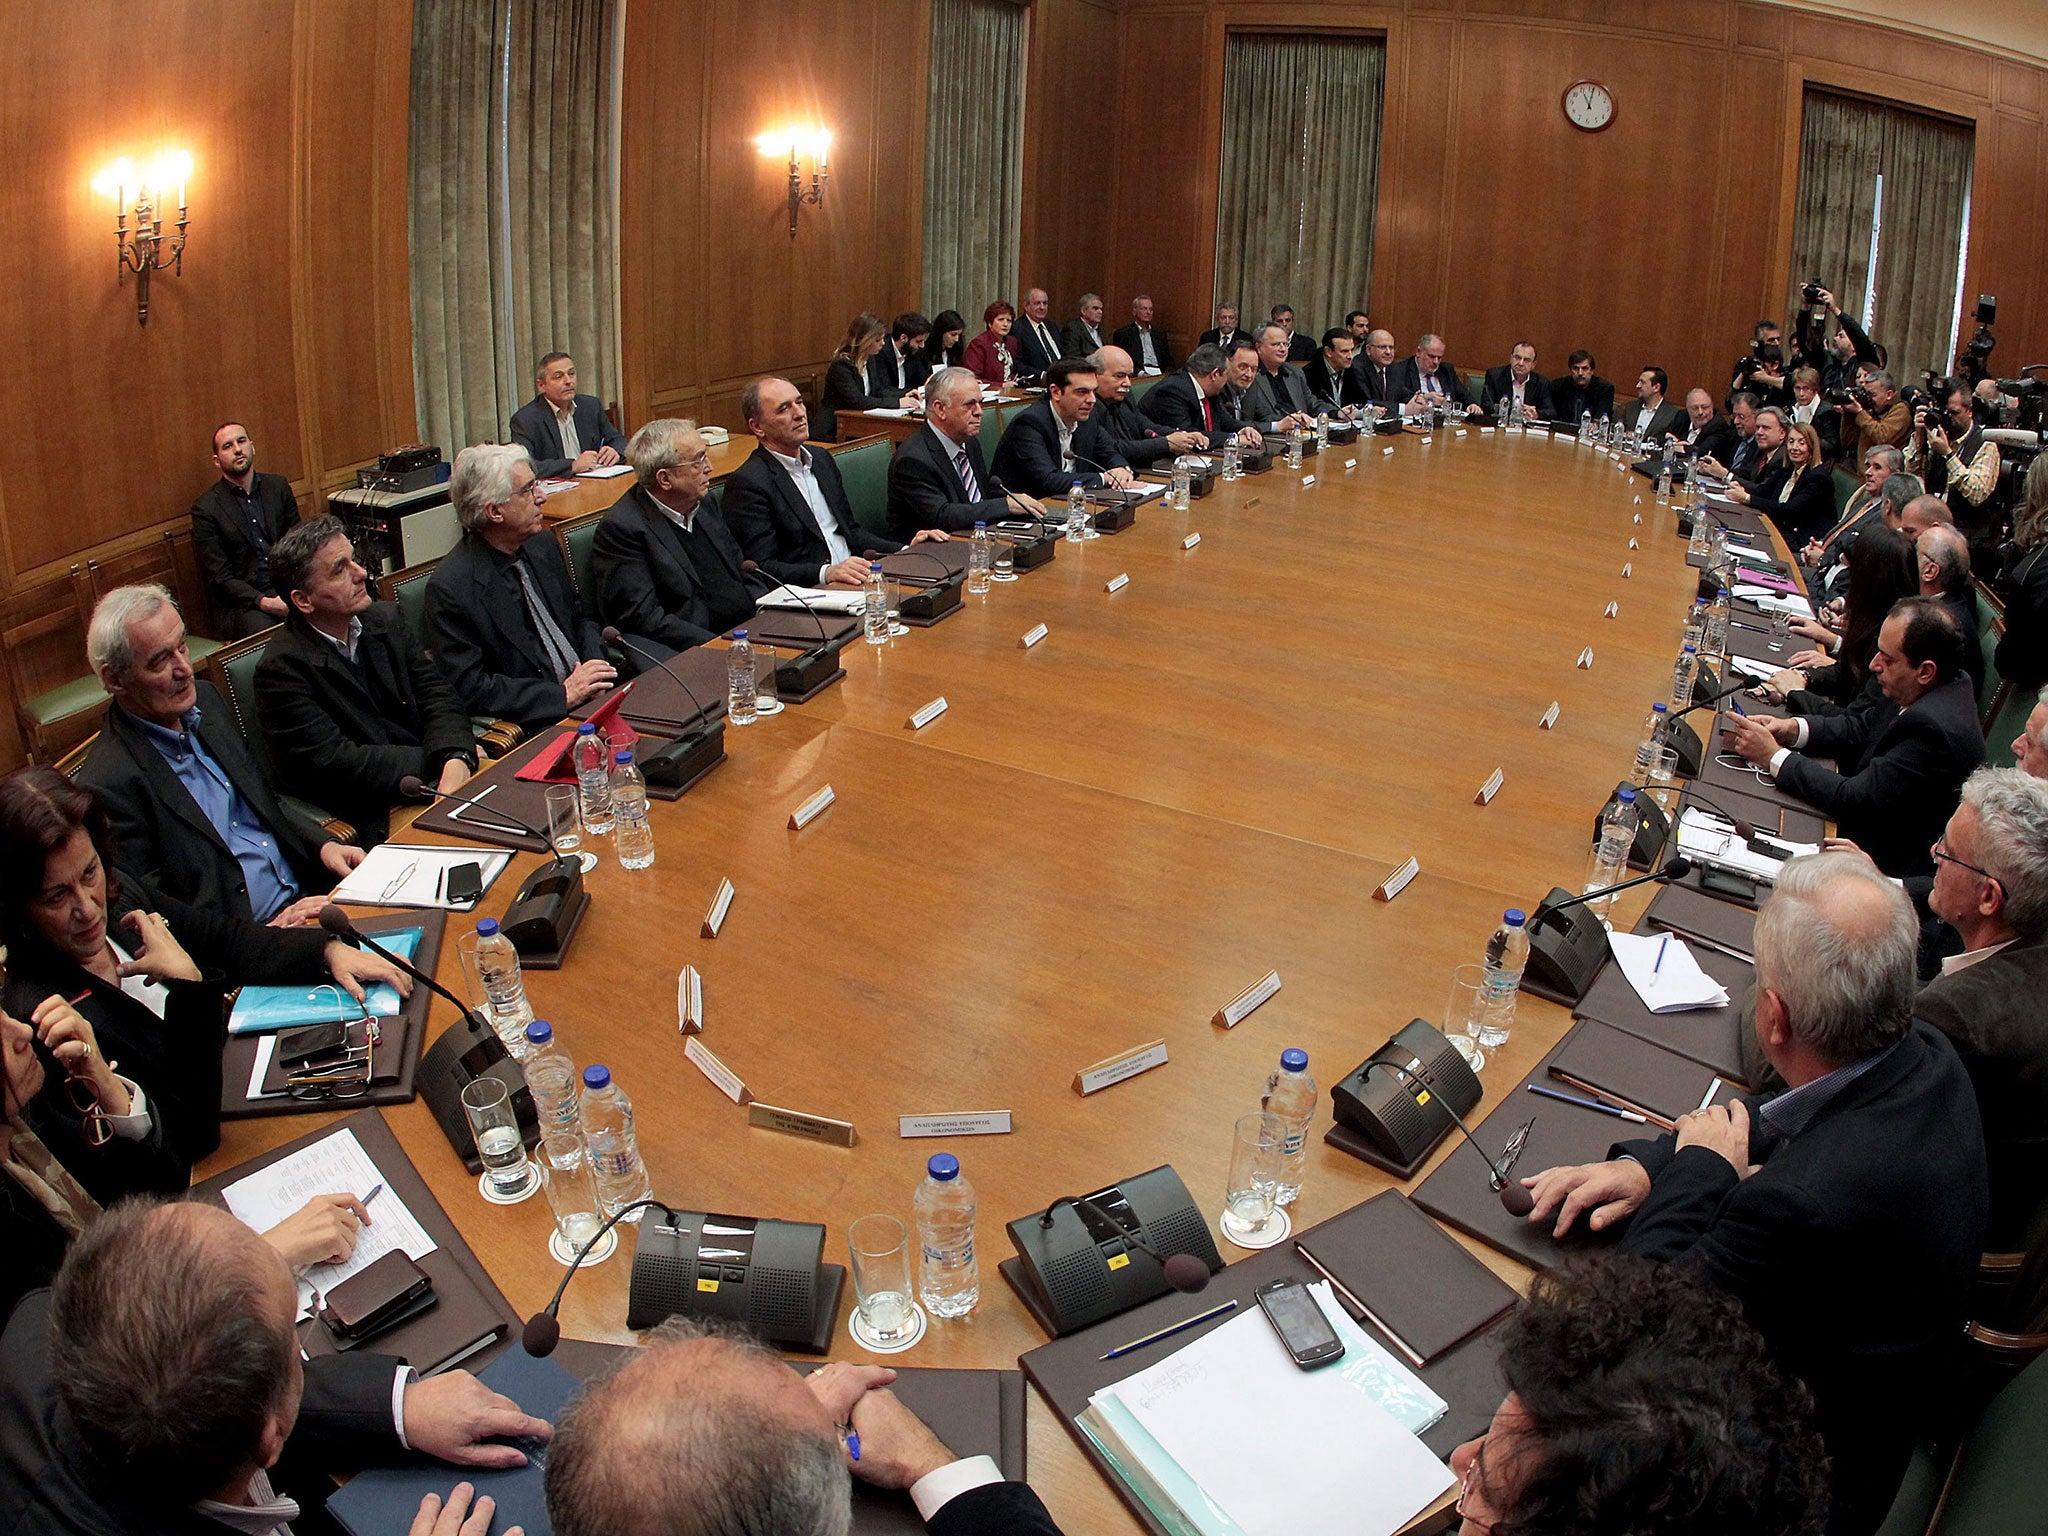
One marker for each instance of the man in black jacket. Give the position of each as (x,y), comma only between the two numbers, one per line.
(1581,392)
(1277,396)
(1299,348)
(1846,1213)
(1136,438)
(507,627)
(1053,442)
(1708,434)
(1426,376)
(1375,370)
(1193,399)
(567,433)
(1333,383)
(1147,343)
(158,1390)
(1519,383)
(1901,765)
(235,522)
(654,1444)
(1225,332)
(191,810)
(1038,339)
(900,366)
(1650,415)
(349,701)
(938,478)
(668,571)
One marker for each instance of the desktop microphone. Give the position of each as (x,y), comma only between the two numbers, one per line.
(543,1330)
(697,750)
(803,675)
(1675,868)
(1744,828)
(1183,1271)
(1717,696)
(937,600)
(1516,1200)
(549,902)
(337,923)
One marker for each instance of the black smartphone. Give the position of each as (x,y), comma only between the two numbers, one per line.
(1726,882)
(1303,1329)
(298,1046)
(465,884)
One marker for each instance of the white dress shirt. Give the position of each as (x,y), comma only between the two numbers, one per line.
(1150,361)
(807,486)
(935,1490)
(565,423)
(1644,417)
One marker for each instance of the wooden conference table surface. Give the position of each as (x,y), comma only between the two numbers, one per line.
(1106,837)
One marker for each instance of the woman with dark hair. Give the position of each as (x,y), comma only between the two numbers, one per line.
(148,974)
(1828,678)
(846,379)
(948,343)
(992,356)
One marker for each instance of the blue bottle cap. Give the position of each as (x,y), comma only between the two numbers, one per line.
(1514,917)
(486,926)
(597,1076)
(1294,1059)
(625,758)
(1628,796)
(1720,592)
(981,527)
(739,634)
(943,1166)
(1658,709)
(587,728)
(1690,646)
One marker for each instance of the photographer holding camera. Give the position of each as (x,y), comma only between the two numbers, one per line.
(1761,371)
(1874,416)
(1831,343)
(1950,453)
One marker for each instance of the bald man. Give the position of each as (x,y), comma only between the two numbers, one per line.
(1375,369)
(705,1432)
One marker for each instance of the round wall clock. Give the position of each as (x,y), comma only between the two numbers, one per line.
(1588,105)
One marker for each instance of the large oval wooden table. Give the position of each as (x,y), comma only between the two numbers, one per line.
(1190,782)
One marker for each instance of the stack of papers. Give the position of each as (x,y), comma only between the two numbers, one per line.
(606,471)
(1774,602)
(824,599)
(1708,839)
(1763,671)
(1280,1451)
(416,874)
(1665,975)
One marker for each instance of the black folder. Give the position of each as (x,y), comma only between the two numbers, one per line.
(1616,1067)
(1721,926)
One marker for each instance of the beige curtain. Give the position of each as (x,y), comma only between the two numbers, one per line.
(511,206)
(1846,146)
(1300,177)
(973,155)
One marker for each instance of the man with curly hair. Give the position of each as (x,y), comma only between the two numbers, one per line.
(1640,1399)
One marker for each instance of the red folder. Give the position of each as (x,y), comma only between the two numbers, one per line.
(559,767)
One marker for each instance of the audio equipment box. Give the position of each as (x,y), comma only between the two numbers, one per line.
(768,1276)
(1393,1120)
(1078,1264)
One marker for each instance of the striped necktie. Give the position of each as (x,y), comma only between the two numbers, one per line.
(966,474)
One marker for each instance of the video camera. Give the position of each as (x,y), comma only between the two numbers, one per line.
(1974,362)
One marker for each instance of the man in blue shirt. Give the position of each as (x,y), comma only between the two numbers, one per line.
(191,811)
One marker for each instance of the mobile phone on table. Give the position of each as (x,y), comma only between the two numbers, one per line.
(1304,1331)
(297,1047)
(465,884)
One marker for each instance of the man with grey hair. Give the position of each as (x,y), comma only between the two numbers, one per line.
(2030,747)
(938,478)
(1426,377)
(668,571)
(1225,333)
(1875,415)
(508,629)
(192,811)
(1038,346)
(1084,336)
(567,433)
(1943,557)
(1137,438)
(1846,1212)
(1146,342)
(706,1433)
(1825,556)
(1991,886)
(1278,396)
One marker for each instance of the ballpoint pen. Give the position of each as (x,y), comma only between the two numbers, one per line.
(1593,1104)
(1170,1330)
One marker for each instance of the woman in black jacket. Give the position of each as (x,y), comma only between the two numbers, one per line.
(846,380)
(1881,571)
(948,343)
(2022,654)
(1804,506)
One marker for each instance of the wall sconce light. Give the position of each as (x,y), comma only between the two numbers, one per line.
(818,141)
(144,250)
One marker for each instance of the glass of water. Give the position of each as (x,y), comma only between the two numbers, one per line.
(885,1314)
(1006,560)
(565,824)
(1781,630)
(1258,1149)
(1465,1011)
(508,1176)
(566,1174)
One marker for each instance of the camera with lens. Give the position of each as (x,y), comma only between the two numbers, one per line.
(1812,290)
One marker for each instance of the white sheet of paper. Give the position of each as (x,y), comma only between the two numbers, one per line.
(1675,986)
(1761,670)
(375,882)
(887,410)
(1704,837)
(605,472)
(1774,602)
(824,599)
(266,1047)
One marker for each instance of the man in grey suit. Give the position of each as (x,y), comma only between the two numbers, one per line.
(566,433)
(1085,336)
(1278,394)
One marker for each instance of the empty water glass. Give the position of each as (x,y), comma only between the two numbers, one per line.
(1465,1011)
(880,1249)
(1781,631)
(1258,1152)
(571,1185)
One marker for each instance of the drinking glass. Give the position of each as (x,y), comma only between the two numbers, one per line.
(1258,1151)
(1781,631)
(1006,561)
(571,1187)
(1464,1011)
(1665,768)
(508,1176)
(897,628)
(885,1312)
(565,824)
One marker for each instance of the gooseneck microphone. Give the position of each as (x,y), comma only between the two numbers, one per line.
(1675,868)
(1715,697)
(1183,1271)
(337,923)
(413,787)
(543,1330)
(611,636)
(700,747)
(1516,1200)
(809,653)
(1744,829)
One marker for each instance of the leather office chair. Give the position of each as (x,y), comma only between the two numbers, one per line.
(408,589)
(864,467)
(232,669)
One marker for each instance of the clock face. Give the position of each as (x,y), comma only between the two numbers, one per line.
(1588,105)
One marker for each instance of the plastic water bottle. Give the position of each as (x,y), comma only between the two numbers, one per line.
(614,1152)
(633,835)
(1682,677)
(1717,624)
(1585,426)
(981,560)
(1077,513)
(551,1079)
(1695,623)
(1656,732)
(1322,430)
(740,683)
(1617,835)
(1294,447)
(1503,410)
(1506,953)
(874,619)
(1181,486)
(1664,485)
(497,965)
(1291,1094)
(1231,469)
(948,1275)
(593,780)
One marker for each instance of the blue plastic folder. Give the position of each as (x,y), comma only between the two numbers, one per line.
(259,1010)
(384,1500)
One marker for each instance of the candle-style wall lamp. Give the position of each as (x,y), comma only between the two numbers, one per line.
(144,249)
(818,142)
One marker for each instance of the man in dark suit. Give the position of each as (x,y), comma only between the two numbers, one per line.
(1224,333)
(1991,886)
(506,624)
(1132,433)
(1746,456)
(1277,396)
(1809,408)
(1192,400)
(1375,369)
(1708,434)
(158,1390)
(349,701)
(1942,556)
(1084,335)
(1426,376)
(668,571)
(1581,392)
(1333,383)
(190,808)
(900,366)
(567,433)
(1902,765)
(1054,442)
(1651,416)
(1147,343)
(1038,341)
(235,522)
(651,1447)
(1299,348)
(938,479)
(1847,1212)
(787,506)
(1519,383)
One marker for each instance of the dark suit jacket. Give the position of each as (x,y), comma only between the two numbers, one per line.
(1669,418)
(1127,337)
(486,643)
(2022,653)
(236,571)
(1331,392)
(1132,434)
(1228,340)
(1853,1248)
(535,429)
(1269,397)
(160,831)
(774,525)
(332,741)
(1033,358)
(1716,440)
(848,388)
(1901,773)
(1075,341)
(882,371)
(1176,404)
(925,490)
(1499,381)
(1991,1013)
(52,1484)
(1568,402)
(1028,457)
(1379,386)
(1808,511)
(1406,379)
(1301,347)
(994,1509)
(652,589)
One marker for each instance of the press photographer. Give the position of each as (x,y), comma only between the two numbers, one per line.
(1761,370)
(1874,415)
(1831,343)
(1955,461)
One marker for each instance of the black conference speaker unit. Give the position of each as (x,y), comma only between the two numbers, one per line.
(1567,946)
(765,1275)
(467,1050)
(925,608)
(1090,1263)
(1653,827)
(1400,1120)
(1692,752)
(545,914)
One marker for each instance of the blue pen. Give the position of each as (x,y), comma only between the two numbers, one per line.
(375,1191)
(850,1438)
(1662,944)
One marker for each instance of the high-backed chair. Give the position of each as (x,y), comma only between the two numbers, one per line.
(864,467)
(232,669)
(408,589)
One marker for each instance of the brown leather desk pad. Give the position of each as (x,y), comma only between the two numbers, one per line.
(1710,1037)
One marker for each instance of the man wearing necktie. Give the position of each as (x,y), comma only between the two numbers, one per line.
(1037,347)
(938,478)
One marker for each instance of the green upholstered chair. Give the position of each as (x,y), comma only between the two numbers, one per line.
(232,669)
(408,589)
(1141,387)
(864,467)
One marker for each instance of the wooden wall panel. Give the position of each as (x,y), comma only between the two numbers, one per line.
(1069,161)
(1163,197)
